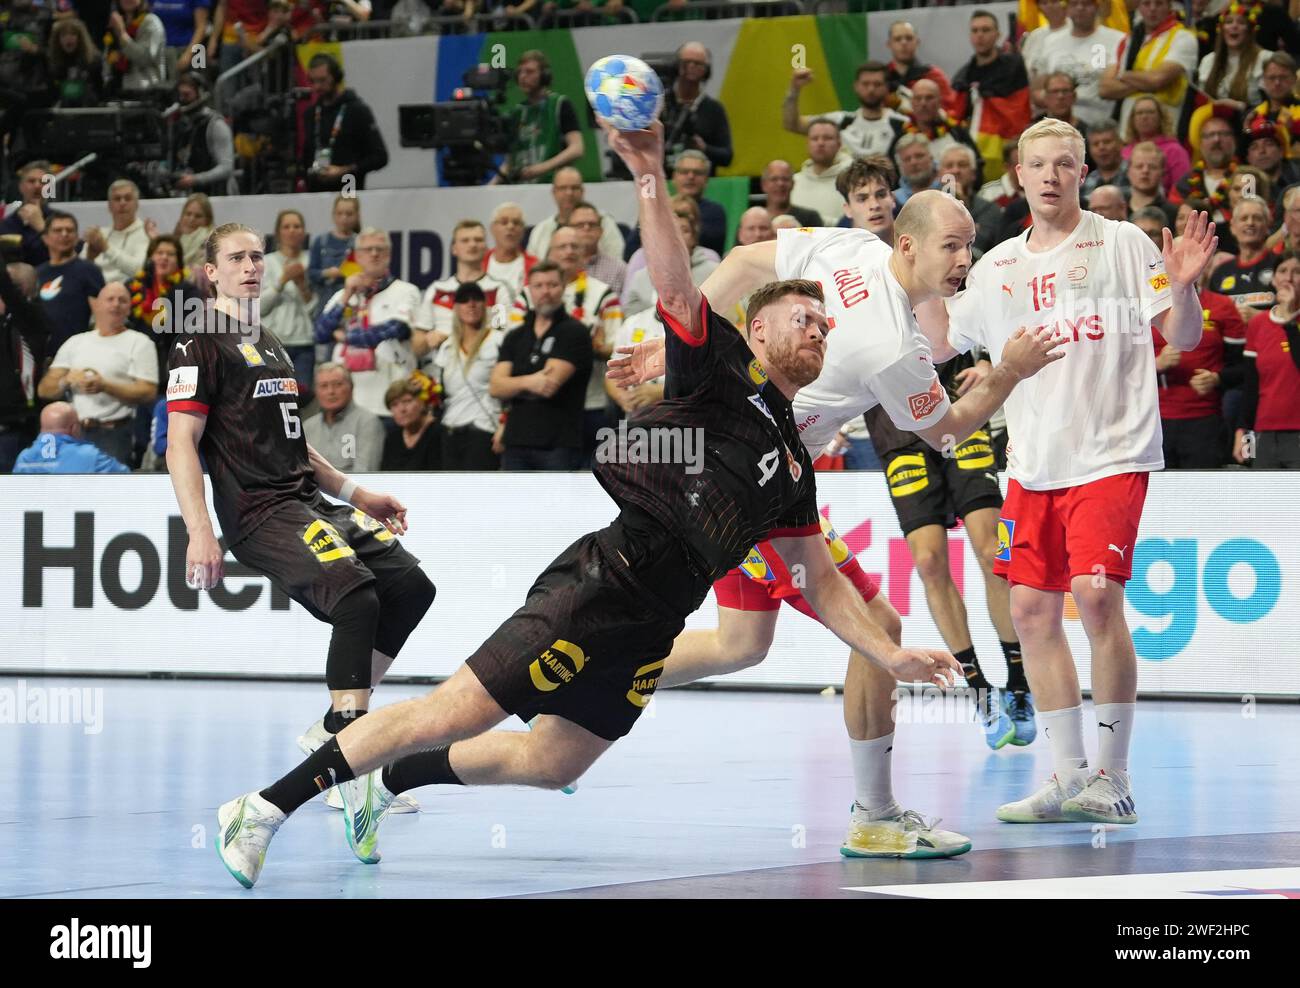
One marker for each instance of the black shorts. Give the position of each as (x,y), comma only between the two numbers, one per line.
(319,552)
(590,641)
(929,488)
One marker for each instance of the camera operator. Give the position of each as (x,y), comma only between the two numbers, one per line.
(342,136)
(205,146)
(545,124)
(692,119)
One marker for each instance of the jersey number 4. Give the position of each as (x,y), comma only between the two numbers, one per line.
(767,466)
(292,424)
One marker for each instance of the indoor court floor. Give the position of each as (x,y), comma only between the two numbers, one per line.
(715,794)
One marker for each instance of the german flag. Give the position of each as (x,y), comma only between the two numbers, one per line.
(993,102)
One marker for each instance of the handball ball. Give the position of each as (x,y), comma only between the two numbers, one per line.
(624,91)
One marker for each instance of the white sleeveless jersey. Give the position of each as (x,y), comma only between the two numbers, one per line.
(1095,413)
(875,353)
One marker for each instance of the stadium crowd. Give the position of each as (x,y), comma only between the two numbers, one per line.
(1177,118)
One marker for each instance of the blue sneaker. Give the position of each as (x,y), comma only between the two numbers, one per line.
(1019,706)
(998,729)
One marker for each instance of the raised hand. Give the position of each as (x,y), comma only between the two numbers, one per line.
(641,150)
(1187,256)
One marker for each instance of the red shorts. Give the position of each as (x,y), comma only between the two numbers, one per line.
(761,582)
(1046,538)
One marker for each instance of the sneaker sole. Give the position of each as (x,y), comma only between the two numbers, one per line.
(1021,742)
(1080,815)
(1018,818)
(919,853)
(1003,741)
(238,876)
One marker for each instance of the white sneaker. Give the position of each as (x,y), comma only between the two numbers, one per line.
(365,804)
(898,833)
(245,827)
(1108,798)
(316,737)
(1044,806)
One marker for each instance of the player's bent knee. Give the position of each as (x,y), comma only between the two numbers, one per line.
(404,605)
(355,619)
(933,567)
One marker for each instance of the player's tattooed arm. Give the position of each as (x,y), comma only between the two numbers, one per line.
(842,610)
(204,557)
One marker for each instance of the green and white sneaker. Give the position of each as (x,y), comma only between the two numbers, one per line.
(316,737)
(1043,806)
(245,827)
(572,787)
(365,804)
(1107,798)
(898,833)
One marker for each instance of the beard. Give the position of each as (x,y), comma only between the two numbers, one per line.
(796,365)
(550,309)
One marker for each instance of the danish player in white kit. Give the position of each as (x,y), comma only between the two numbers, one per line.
(1085,435)
(875,354)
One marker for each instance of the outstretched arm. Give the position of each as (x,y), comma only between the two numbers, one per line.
(667,259)
(741,271)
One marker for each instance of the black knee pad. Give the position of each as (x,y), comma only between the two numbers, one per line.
(402,607)
(355,620)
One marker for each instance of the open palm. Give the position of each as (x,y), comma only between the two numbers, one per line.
(1187,256)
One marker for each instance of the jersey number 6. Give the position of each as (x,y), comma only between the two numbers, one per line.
(292,424)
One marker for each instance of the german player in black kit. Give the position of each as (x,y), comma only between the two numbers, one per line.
(232,397)
(584,652)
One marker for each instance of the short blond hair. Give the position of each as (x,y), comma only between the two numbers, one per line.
(1050,127)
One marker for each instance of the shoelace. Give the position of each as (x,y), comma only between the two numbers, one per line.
(1019,705)
(912,820)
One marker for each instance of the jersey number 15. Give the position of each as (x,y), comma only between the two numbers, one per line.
(292,424)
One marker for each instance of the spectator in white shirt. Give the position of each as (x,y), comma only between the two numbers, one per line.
(507,261)
(287,298)
(106,373)
(119,250)
(567,190)
(471,417)
(468,254)
(370,321)
(814,183)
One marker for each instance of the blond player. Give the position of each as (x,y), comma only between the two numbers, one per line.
(1085,434)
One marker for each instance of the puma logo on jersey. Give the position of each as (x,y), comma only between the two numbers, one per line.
(1007,289)
(182,346)
(1114,548)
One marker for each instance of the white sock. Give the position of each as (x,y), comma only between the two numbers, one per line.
(1064,729)
(1114,732)
(872,783)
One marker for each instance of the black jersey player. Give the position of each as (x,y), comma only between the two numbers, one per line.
(584,651)
(232,397)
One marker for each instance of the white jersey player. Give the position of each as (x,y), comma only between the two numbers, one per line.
(1085,435)
(875,354)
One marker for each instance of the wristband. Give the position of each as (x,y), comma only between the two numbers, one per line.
(348,489)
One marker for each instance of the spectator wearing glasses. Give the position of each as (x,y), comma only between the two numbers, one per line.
(777,181)
(567,190)
(370,320)
(1213,140)
(1084,51)
(692,118)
